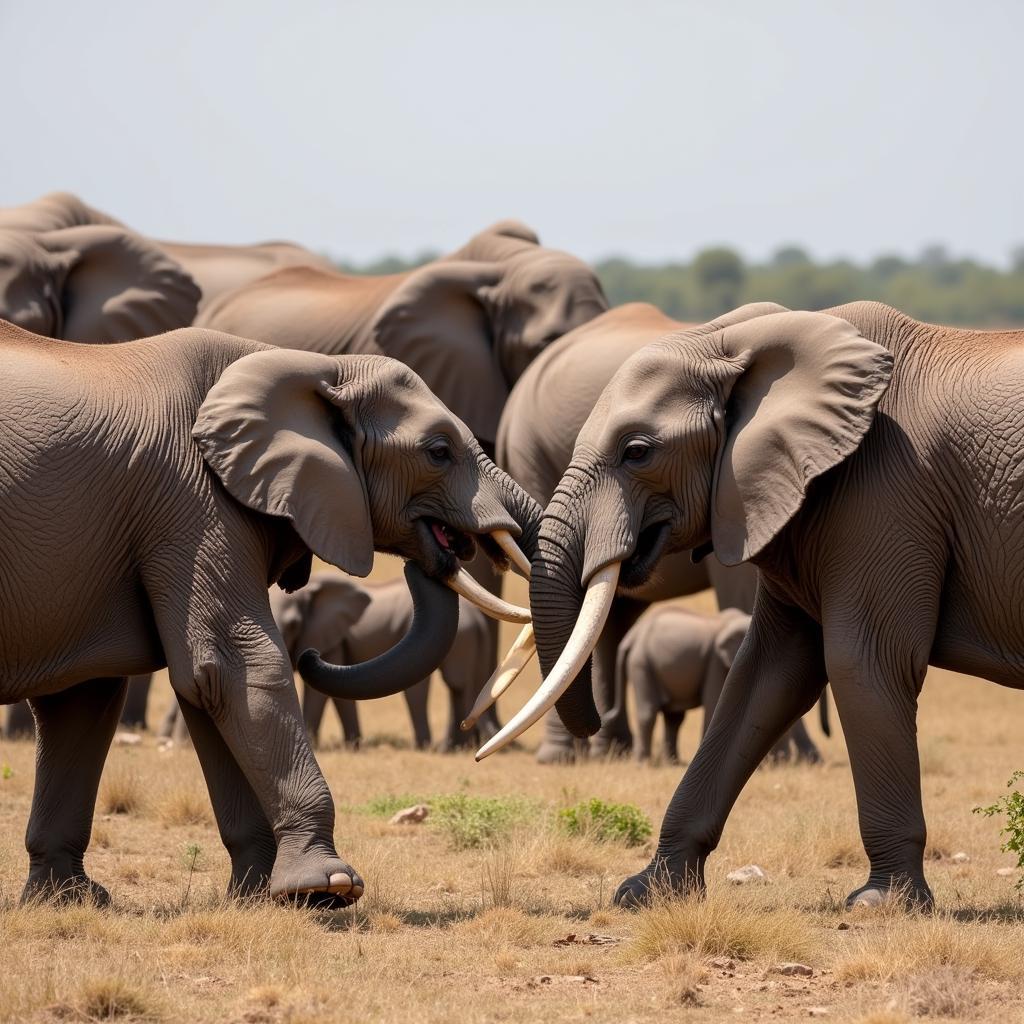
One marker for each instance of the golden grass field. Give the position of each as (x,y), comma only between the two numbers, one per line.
(469,935)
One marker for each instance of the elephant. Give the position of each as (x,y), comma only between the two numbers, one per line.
(213,269)
(870,467)
(350,622)
(676,660)
(153,491)
(385,620)
(538,429)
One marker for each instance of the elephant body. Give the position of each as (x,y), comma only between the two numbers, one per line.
(871,467)
(385,619)
(537,435)
(152,491)
(676,660)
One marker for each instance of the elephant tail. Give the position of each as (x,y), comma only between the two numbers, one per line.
(826,725)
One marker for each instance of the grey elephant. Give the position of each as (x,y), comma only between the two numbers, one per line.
(213,269)
(536,436)
(676,660)
(153,490)
(870,467)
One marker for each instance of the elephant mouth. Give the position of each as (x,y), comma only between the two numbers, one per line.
(650,546)
(444,546)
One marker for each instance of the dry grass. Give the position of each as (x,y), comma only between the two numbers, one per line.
(448,930)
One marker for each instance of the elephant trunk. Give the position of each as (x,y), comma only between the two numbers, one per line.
(527,514)
(435,619)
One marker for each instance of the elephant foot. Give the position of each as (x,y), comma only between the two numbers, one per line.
(913,894)
(308,876)
(656,880)
(555,753)
(64,890)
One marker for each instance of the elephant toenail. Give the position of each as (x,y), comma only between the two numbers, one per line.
(341,882)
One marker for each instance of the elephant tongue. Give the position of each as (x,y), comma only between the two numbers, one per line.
(440,536)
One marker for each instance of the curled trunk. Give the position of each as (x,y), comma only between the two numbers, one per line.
(435,618)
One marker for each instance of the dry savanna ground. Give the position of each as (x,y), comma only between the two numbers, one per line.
(469,919)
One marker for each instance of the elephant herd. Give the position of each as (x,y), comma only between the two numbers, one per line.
(185,426)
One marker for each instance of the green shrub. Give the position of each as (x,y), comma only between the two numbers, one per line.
(473,821)
(389,804)
(1013,831)
(606,822)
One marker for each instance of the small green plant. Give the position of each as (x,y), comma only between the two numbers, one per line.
(474,821)
(6,771)
(606,822)
(389,804)
(1012,806)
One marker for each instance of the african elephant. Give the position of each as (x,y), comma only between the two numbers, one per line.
(385,620)
(536,436)
(152,491)
(215,269)
(870,466)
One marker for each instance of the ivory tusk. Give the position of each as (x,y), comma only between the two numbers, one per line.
(517,658)
(507,543)
(464,584)
(597,603)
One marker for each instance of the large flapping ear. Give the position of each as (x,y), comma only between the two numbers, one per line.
(804,395)
(50,212)
(335,606)
(438,324)
(269,428)
(119,286)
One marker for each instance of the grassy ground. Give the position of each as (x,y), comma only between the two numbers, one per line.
(454,931)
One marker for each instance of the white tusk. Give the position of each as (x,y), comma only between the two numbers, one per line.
(519,655)
(507,543)
(464,584)
(597,602)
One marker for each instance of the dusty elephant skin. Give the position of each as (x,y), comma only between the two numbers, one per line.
(869,466)
(545,412)
(166,483)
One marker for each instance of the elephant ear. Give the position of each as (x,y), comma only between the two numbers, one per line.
(270,428)
(734,627)
(804,388)
(335,606)
(438,324)
(119,286)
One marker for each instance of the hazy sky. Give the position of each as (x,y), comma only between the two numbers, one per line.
(645,128)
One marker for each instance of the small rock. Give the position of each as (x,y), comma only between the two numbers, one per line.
(960,858)
(817,1011)
(748,873)
(843,926)
(793,970)
(410,815)
(590,939)
(723,963)
(1006,872)
(126,739)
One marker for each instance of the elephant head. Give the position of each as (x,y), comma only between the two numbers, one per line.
(358,455)
(52,211)
(320,615)
(705,439)
(490,308)
(94,283)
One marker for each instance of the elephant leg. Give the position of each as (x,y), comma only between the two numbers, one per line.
(416,700)
(75,728)
(673,723)
(615,737)
(134,714)
(314,703)
(776,677)
(244,828)
(804,747)
(19,724)
(348,713)
(169,725)
(877,704)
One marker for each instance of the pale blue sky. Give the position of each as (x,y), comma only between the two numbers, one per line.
(645,128)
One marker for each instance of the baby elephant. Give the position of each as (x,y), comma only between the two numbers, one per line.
(318,617)
(677,660)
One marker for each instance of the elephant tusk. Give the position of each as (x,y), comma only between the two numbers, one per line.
(507,543)
(517,658)
(597,602)
(464,584)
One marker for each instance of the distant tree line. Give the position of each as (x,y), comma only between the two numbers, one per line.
(935,286)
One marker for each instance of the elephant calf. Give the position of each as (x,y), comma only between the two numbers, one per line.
(152,491)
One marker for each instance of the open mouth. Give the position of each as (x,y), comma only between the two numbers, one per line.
(451,545)
(650,546)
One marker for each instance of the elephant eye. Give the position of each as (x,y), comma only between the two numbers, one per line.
(440,453)
(636,452)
